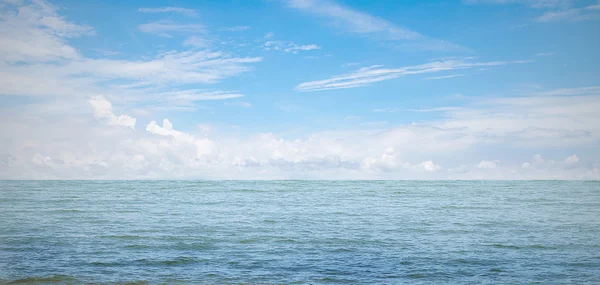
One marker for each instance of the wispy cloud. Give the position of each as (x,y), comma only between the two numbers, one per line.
(288,46)
(539,4)
(444,77)
(357,22)
(376,73)
(545,54)
(191,95)
(556,10)
(591,90)
(37,33)
(196,41)
(163,28)
(235,28)
(387,110)
(239,104)
(375,123)
(184,11)
(573,15)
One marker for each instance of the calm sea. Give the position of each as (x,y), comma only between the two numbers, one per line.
(299,232)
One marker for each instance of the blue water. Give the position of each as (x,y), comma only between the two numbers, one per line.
(286,232)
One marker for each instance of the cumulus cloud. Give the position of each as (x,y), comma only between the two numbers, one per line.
(487,164)
(103,111)
(381,152)
(571,159)
(428,166)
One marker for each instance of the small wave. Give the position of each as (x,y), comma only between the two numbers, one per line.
(538,246)
(122,237)
(250,240)
(177,261)
(499,245)
(137,246)
(67,211)
(140,282)
(54,279)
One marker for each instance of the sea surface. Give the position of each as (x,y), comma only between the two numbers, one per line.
(299,232)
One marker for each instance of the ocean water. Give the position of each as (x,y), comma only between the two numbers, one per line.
(299,232)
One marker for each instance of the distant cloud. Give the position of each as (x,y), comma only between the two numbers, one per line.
(387,110)
(357,22)
(589,90)
(235,28)
(376,73)
(487,164)
(37,33)
(163,28)
(196,41)
(239,104)
(444,77)
(539,4)
(428,166)
(574,15)
(593,7)
(571,159)
(557,10)
(375,123)
(103,111)
(288,46)
(184,11)
(545,54)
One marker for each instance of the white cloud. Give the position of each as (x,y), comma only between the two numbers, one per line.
(443,77)
(184,11)
(103,111)
(367,75)
(545,54)
(357,22)
(593,7)
(387,110)
(557,10)
(48,149)
(537,159)
(240,104)
(196,41)
(74,78)
(235,28)
(288,46)
(487,164)
(428,166)
(164,28)
(37,138)
(574,14)
(36,33)
(571,159)
(540,4)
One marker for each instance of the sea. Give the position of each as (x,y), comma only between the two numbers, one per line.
(299,232)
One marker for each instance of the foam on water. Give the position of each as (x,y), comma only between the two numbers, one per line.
(273,232)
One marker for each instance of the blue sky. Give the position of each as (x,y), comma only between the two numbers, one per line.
(473,89)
